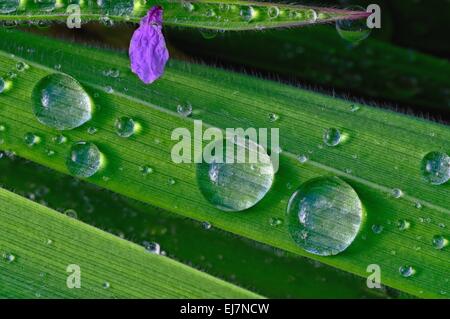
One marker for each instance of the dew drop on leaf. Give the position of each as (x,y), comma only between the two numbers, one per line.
(397,193)
(106,285)
(377,229)
(9,257)
(9,6)
(273,12)
(232,185)
(332,137)
(248,13)
(406,271)
(353,31)
(184,109)
(145,170)
(152,247)
(31,139)
(21,66)
(403,224)
(324,216)
(435,168)
(60,102)
(84,160)
(303,159)
(439,242)
(125,126)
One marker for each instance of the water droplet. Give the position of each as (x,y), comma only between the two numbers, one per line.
(49,152)
(206,225)
(31,139)
(46,5)
(125,126)
(208,34)
(311,15)
(21,66)
(71,213)
(171,181)
(406,271)
(403,224)
(188,6)
(303,159)
(85,159)
(332,137)
(248,13)
(228,180)
(353,31)
(59,139)
(109,89)
(275,221)
(92,130)
(49,242)
(325,215)
(397,193)
(273,12)
(9,257)
(152,247)
(354,108)
(145,170)
(9,6)
(273,117)
(60,102)
(377,229)
(435,168)
(184,109)
(2,85)
(439,241)
(418,205)
(106,285)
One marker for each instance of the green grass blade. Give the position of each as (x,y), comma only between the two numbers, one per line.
(204,14)
(383,152)
(213,251)
(44,243)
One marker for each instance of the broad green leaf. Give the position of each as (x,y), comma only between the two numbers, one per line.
(204,14)
(382,153)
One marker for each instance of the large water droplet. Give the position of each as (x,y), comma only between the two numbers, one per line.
(9,6)
(353,31)
(125,126)
(332,137)
(233,181)
(436,168)
(85,159)
(325,215)
(60,102)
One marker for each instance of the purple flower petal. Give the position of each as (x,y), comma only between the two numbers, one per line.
(148,52)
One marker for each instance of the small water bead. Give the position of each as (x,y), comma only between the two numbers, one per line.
(2,85)
(152,247)
(354,108)
(84,160)
(208,34)
(435,168)
(418,205)
(92,130)
(21,66)
(397,193)
(106,285)
(145,170)
(377,229)
(353,31)
(406,271)
(231,182)
(273,12)
(311,15)
(439,242)
(273,117)
(206,225)
(71,213)
(59,139)
(9,6)
(248,13)
(332,137)
(303,159)
(46,5)
(184,109)
(188,6)
(109,89)
(9,257)
(31,139)
(403,224)
(125,126)
(275,221)
(325,215)
(60,102)
(171,181)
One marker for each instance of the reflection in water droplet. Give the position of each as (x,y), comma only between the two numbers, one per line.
(60,102)
(125,126)
(85,159)
(406,271)
(325,215)
(397,193)
(439,241)
(435,168)
(332,137)
(238,176)
(153,248)
(184,109)
(9,6)
(248,13)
